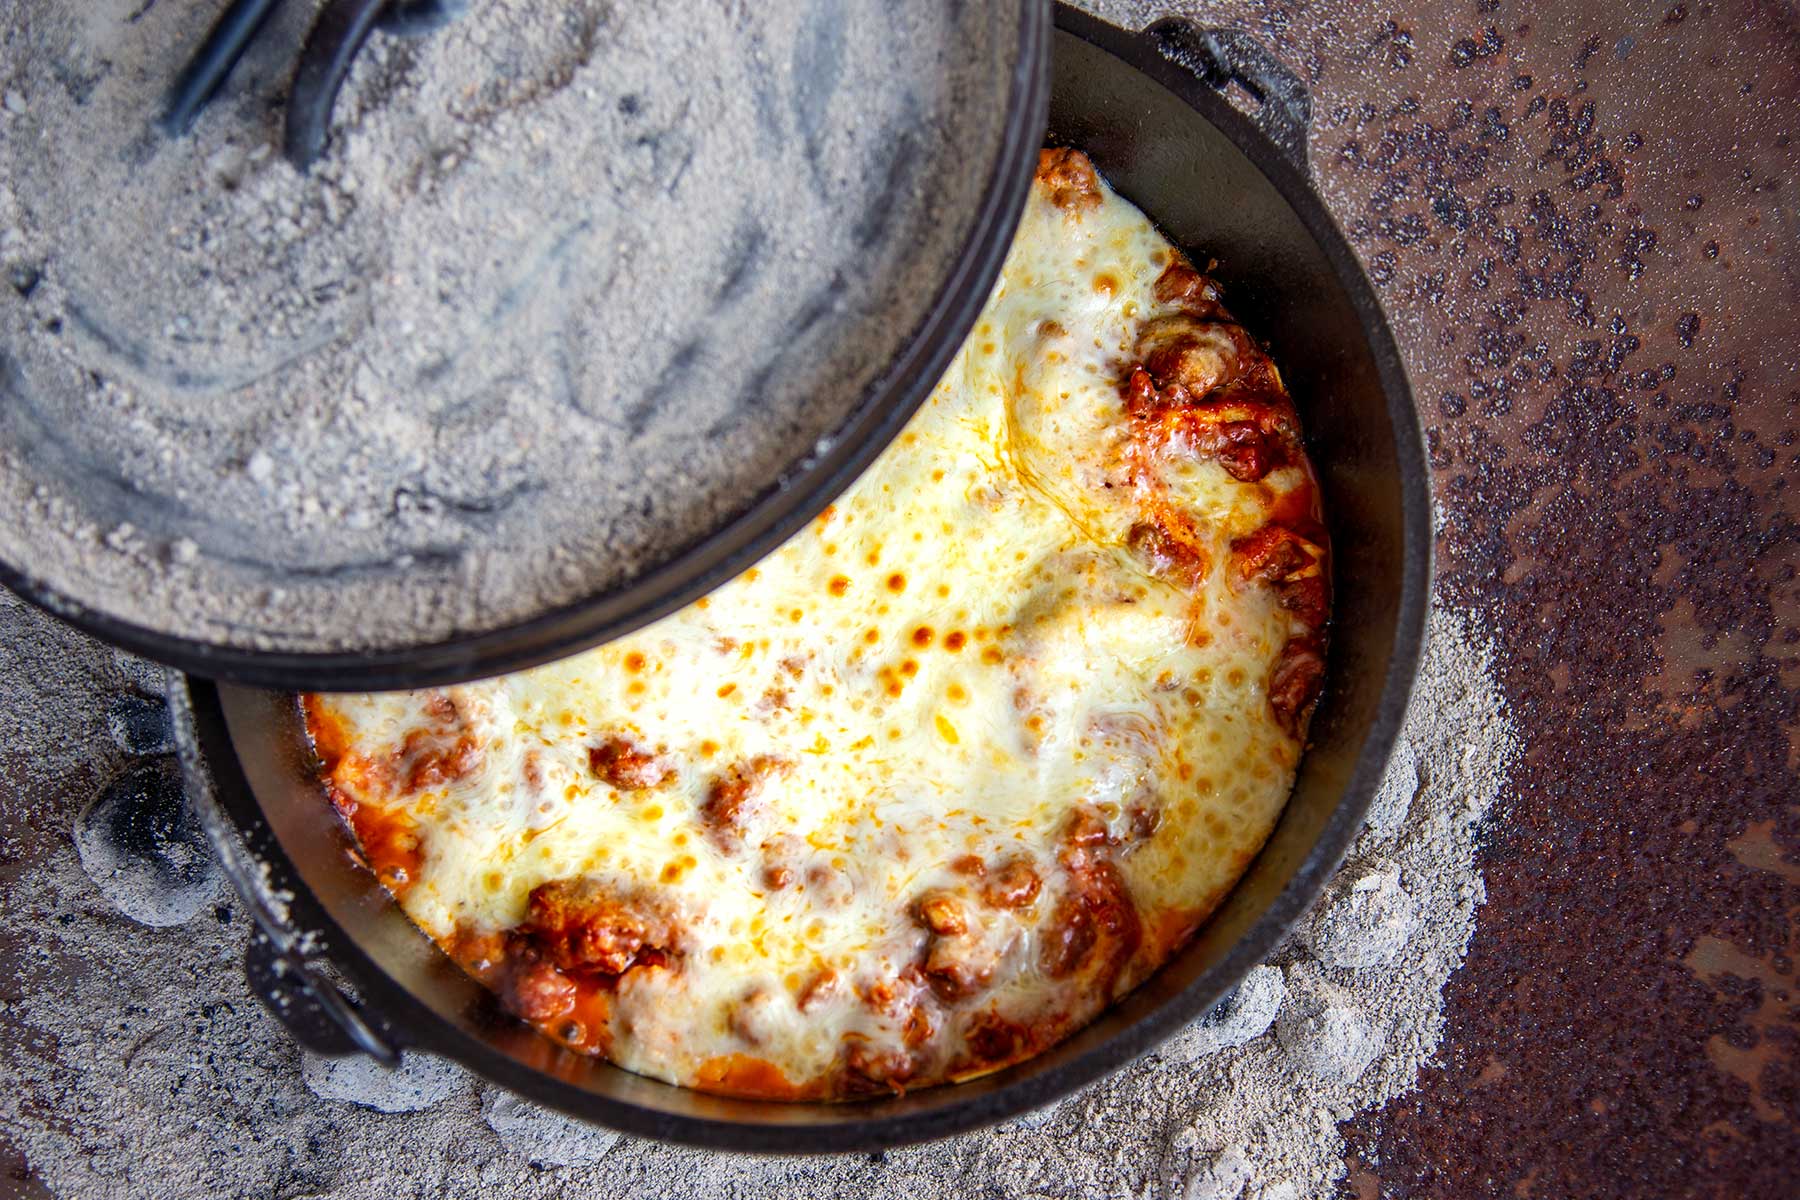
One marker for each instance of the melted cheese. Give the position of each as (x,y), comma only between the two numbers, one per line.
(947,663)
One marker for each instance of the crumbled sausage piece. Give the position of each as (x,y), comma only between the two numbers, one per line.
(728,796)
(1272,553)
(969,864)
(430,763)
(1144,815)
(1069,174)
(993,1039)
(580,924)
(821,988)
(1085,828)
(868,1068)
(883,995)
(1181,285)
(942,913)
(628,766)
(965,947)
(1014,885)
(1295,682)
(892,994)
(1308,599)
(1068,939)
(1167,556)
(1242,448)
(919,1026)
(958,967)
(1144,399)
(540,992)
(1096,916)
(1200,356)
(731,799)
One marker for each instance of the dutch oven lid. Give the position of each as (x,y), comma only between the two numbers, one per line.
(586,307)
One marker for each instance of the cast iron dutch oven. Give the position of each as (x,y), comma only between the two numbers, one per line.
(1147,107)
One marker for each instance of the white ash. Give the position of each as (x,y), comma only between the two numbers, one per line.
(1244,1014)
(543,1136)
(1363,920)
(574,282)
(1398,787)
(1037,1118)
(420,1081)
(145,1068)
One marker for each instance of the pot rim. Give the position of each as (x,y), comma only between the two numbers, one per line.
(951,1109)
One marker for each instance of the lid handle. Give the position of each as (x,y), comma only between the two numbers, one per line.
(1221,57)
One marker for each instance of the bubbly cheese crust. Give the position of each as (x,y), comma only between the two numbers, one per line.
(952,770)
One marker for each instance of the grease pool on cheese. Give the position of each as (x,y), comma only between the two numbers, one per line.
(953,769)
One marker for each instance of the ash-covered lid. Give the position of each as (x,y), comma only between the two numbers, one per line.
(574,287)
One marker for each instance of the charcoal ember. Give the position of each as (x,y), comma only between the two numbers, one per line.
(143,849)
(543,1136)
(140,724)
(1195,1167)
(1361,921)
(1242,1015)
(1323,1031)
(1401,783)
(416,18)
(420,1081)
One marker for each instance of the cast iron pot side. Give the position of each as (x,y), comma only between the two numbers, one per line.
(1143,105)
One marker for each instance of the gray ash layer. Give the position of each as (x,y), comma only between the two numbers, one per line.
(145,1068)
(575,281)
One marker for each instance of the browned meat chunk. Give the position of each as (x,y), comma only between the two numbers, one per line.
(628,766)
(965,949)
(1094,927)
(733,798)
(1014,885)
(429,759)
(582,925)
(1295,682)
(1166,556)
(942,913)
(1308,599)
(1199,356)
(1182,286)
(1070,176)
(1272,553)
(540,992)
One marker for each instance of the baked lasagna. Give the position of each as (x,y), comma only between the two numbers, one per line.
(954,769)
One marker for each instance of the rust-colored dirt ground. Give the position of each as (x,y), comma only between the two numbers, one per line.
(1582,219)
